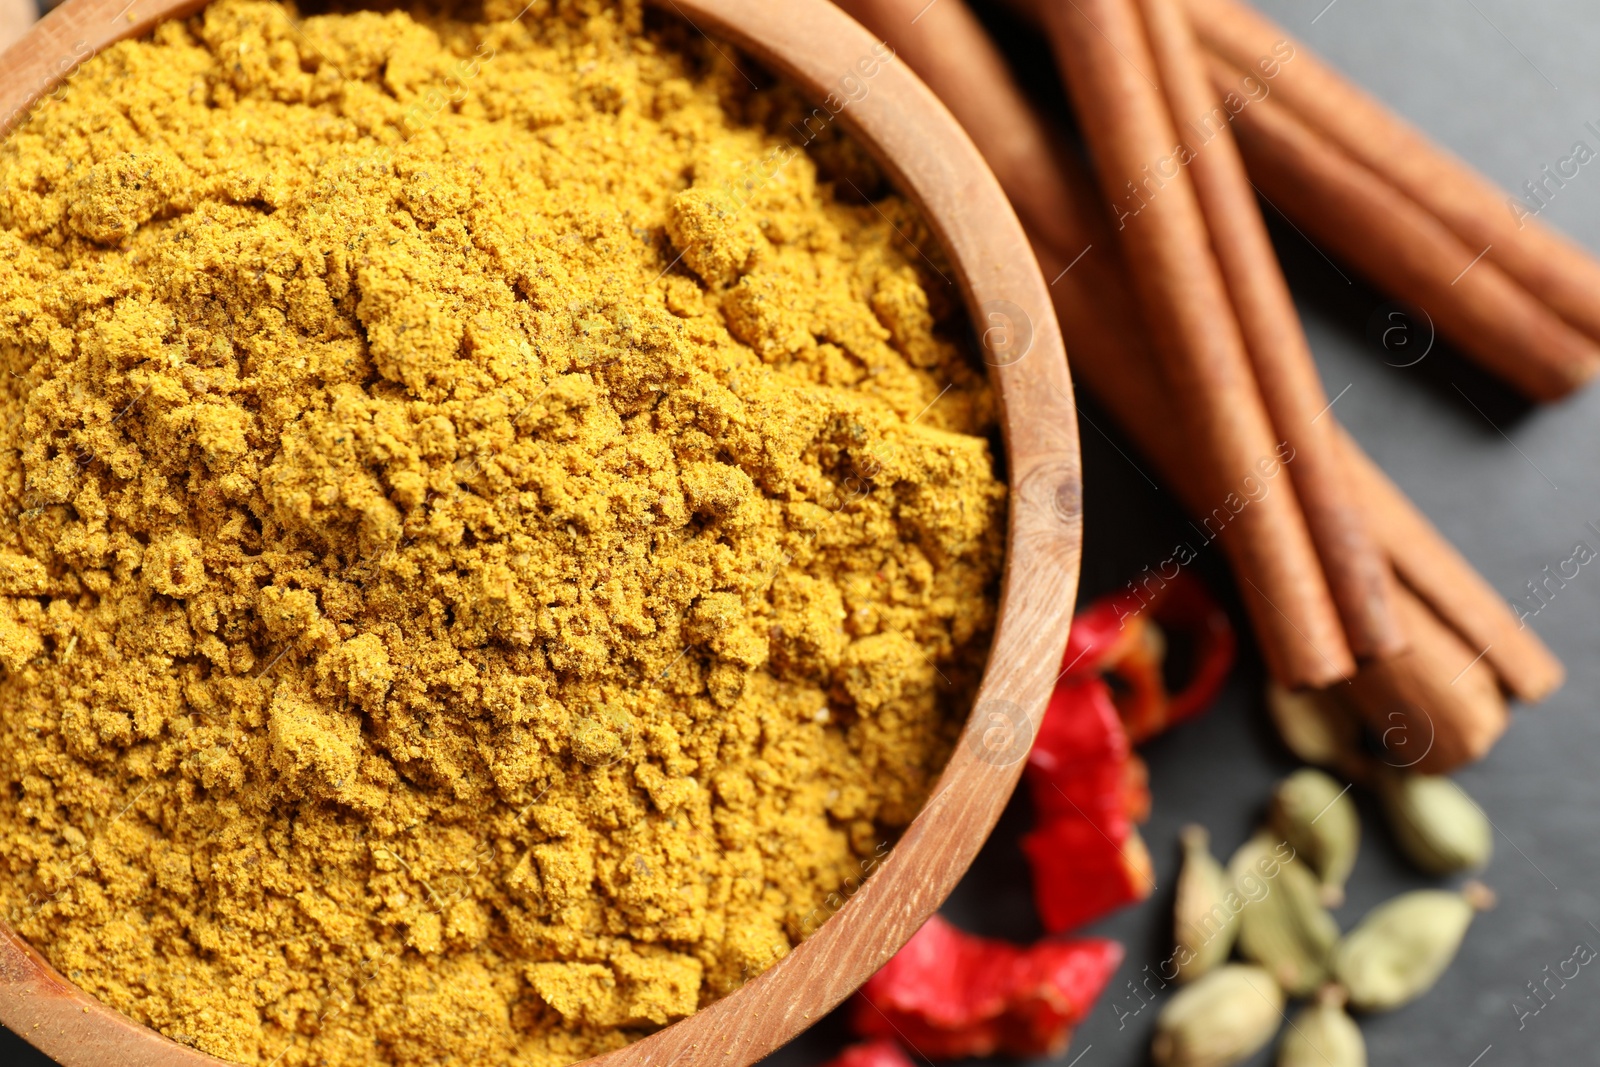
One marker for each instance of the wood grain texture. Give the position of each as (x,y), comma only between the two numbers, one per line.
(932,161)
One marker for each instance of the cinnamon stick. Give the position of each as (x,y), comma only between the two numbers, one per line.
(950,50)
(1112,357)
(1481,215)
(1432,567)
(1437,705)
(1353,214)
(1178,282)
(1408,700)
(1358,576)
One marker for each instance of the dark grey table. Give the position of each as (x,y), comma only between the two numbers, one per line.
(1509,86)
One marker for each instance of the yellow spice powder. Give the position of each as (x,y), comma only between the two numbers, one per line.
(487,548)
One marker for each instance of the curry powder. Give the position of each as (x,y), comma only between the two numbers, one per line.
(493,544)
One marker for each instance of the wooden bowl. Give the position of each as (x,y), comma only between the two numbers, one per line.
(930,159)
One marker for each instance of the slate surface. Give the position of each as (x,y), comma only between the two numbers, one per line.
(1509,87)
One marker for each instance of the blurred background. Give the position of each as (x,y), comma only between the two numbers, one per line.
(1509,87)
(15,16)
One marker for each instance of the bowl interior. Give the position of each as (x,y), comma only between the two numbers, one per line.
(856,81)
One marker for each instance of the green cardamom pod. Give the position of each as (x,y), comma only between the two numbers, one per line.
(1437,825)
(1253,866)
(1317,728)
(1323,1035)
(1285,928)
(1219,1020)
(1400,949)
(1205,921)
(1317,816)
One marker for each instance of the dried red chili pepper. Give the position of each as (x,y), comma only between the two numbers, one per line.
(1088,788)
(1124,634)
(948,994)
(1078,762)
(1101,635)
(882,1053)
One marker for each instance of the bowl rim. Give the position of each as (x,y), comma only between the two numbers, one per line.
(869,90)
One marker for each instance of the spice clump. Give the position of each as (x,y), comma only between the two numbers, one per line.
(494,546)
